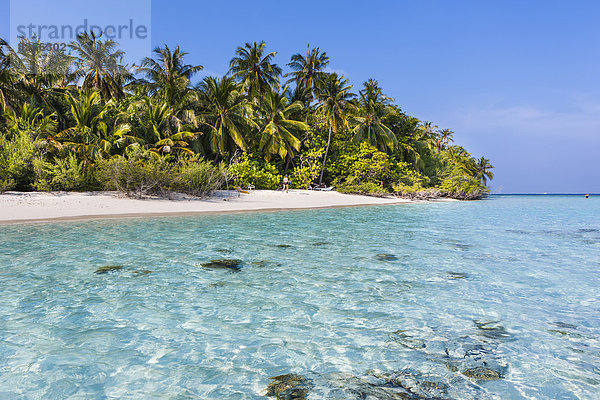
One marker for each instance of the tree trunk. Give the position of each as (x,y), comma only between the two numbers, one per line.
(325,158)
(287,164)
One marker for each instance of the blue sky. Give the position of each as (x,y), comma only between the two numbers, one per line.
(517,81)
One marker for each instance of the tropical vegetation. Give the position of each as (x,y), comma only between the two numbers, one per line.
(81,119)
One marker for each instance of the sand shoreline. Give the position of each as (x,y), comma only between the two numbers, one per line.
(21,207)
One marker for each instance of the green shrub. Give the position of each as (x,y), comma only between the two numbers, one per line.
(369,188)
(201,178)
(302,177)
(252,172)
(16,162)
(309,166)
(66,174)
(137,176)
(464,187)
(410,181)
(361,168)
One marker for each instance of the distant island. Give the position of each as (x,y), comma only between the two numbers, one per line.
(74,118)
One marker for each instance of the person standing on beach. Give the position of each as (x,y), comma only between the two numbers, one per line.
(286,184)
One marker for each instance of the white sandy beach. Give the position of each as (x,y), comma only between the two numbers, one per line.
(30,207)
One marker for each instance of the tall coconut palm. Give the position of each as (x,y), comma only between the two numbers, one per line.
(428,131)
(253,69)
(168,77)
(225,114)
(446,136)
(276,135)
(32,72)
(482,170)
(334,97)
(99,63)
(308,70)
(372,108)
(7,76)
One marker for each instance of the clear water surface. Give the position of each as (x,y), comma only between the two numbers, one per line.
(368,302)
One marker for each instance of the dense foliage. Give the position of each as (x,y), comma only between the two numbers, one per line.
(83,121)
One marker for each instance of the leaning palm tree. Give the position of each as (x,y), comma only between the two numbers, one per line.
(225,113)
(253,69)
(334,97)
(308,70)
(276,135)
(168,77)
(372,108)
(482,169)
(99,63)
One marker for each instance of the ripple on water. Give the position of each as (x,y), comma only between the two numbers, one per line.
(493,299)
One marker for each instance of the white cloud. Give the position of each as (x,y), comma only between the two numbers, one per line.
(579,121)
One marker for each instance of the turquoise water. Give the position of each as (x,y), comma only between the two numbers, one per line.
(365,303)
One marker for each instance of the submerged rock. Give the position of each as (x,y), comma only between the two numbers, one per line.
(565,329)
(108,268)
(588,230)
(283,246)
(464,353)
(462,246)
(456,275)
(565,325)
(320,243)
(478,361)
(407,340)
(482,374)
(289,387)
(457,244)
(233,265)
(266,263)
(225,251)
(216,284)
(415,384)
(386,257)
(381,387)
(492,330)
(142,272)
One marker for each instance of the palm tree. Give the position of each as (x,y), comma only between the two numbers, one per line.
(462,162)
(308,71)
(168,77)
(445,137)
(334,101)
(428,131)
(225,114)
(99,63)
(157,123)
(482,169)
(276,134)
(372,107)
(32,72)
(253,69)
(33,121)
(7,77)
(88,137)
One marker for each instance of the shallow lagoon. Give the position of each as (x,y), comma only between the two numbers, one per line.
(421,299)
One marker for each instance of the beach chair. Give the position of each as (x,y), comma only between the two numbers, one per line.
(240,191)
